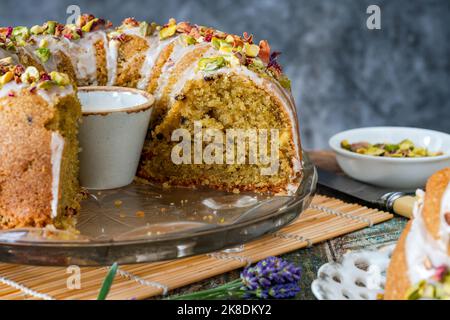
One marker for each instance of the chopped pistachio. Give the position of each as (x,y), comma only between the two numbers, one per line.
(188,40)
(37,30)
(251,50)
(45,85)
(232,60)
(7,77)
(43,54)
(167,32)
(43,43)
(51,27)
(211,64)
(406,145)
(285,82)
(229,39)
(88,26)
(144,28)
(20,35)
(30,75)
(59,78)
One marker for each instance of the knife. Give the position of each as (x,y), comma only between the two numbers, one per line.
(397,201)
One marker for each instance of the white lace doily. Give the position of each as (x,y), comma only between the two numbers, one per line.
(360,275)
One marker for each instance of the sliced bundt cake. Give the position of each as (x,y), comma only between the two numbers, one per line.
(39,115)
(201,78)
(222,89)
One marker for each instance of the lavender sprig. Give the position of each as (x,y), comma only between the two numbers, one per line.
(270,278)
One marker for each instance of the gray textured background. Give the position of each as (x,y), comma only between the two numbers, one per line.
(343,74)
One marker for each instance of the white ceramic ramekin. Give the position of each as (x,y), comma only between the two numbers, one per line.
(112,134)
(397,173)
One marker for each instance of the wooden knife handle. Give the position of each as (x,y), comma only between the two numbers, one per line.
(404,206)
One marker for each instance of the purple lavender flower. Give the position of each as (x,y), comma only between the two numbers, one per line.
(273,277)
(283,291)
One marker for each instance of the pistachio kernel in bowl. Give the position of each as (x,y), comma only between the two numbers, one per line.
(404,149)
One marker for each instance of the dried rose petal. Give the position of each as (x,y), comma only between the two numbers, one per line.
(9,31)
(11,94)
(440,273)
(248,38)
(264,51)
(45,76)
(208,37)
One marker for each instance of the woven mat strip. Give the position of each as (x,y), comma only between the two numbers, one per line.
(325,219)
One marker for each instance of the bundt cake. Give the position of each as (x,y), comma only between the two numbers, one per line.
(39,115)
(220,88)
(420,265)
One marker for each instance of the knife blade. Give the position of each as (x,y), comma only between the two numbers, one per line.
(397,201)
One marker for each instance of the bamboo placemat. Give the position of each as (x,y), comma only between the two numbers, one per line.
(325,219)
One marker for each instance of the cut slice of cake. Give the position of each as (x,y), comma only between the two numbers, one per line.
(39,116)
(420,264)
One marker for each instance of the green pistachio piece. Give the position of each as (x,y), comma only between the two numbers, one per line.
(188,40)
(7,77)
(88,26)
(167,32)
(144,28)
(406,145)
(20,35)
(391,147)
(374,151)
(30,75)
(45,85)
(415,292)
(211,64)
(285,82)
(37,30)
(251,50)
(43,54)
(346,145)
(59,78)
(43,43)
(257,65)
(229,39)
(51,27)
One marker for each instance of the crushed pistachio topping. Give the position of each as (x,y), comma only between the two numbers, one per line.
(438,287)
(30,76)
(43,54)
(236,50)
(404,149)
(211,64)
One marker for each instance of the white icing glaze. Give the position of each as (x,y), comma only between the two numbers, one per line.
(57,148)
(444,231)
(155,47)
(111,61)
(179,51)
(420,245)
(49,95)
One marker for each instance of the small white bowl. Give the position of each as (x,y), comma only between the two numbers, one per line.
(112,134)
(396,173)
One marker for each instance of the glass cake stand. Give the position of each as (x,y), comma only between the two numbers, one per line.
(146,223)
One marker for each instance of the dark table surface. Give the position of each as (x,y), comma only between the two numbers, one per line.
(311,259)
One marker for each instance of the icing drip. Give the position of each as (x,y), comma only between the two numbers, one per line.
(420,245)
(56,147)
(179,51)
(111,61)
(155,47)
(49,95)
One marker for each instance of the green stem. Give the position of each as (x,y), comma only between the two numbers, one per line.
(215,292)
